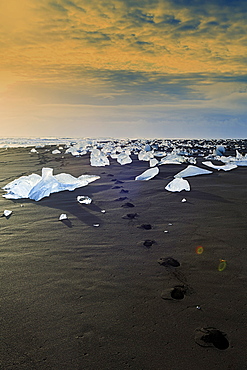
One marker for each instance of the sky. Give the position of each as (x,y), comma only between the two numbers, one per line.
(123,68)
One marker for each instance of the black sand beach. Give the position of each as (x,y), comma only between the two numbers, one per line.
(78,296)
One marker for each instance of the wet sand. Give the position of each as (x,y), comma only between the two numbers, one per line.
(76,296)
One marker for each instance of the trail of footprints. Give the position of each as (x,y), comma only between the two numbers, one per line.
(205,337)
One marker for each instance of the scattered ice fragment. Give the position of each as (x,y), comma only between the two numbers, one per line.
(192,171)
(220,150)
(198,307)
(63,216)
(170,224)
(123,158)
(98,158)
(56,151)
(103,211)
(7,213)
(83,199)
(226,167)
(166,231)
(148,174)
(37,187)
(96,225)
(178,184)
(153,162)
(33,150)
(184,200)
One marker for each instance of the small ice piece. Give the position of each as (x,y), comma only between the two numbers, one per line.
(56,151)
(7,213)
(95,225)
(63,216)
(192,171)
(153,162)
(148,174)
(83,199)
(226,167)
(166,231)
(33,150)
(170,224)
(184,200)
(198,307)
(103,211)
(178,184)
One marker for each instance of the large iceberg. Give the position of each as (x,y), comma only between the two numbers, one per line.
(148,174)
(192,171)
(178,184)
(37,187)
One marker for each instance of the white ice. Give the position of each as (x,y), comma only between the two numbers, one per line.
(226,167)
(124,158)
(98,158)
(148,174)
(178,184)
(192,171)
(37,187)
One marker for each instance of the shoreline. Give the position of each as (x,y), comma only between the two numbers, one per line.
(83,297)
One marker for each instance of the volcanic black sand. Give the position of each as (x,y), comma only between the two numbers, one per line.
(121,295)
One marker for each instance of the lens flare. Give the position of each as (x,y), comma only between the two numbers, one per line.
(199,249)
(222,265)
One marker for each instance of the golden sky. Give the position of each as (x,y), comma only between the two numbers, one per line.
(111,67)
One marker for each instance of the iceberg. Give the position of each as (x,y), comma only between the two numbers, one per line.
(226,167)
(192,171)
(148,174)
(36,187)
(178,184)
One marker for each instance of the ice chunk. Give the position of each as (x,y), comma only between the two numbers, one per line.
(178,184)
(56,151)
(98,158)
(192,171)
(33,150)
(123,158)
(145,156)
(226,167)
(36,187)
(63,216)
(184,200)
(83,199)
(220,150)
(7,213)
(153,162)
(148,174)
(21,187)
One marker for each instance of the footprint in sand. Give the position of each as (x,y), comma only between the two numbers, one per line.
(148,243)
(168,262)
(211,337)
(121,199)
(124,191)
(177,292)
(130,216)
(145,227)
(128,204)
